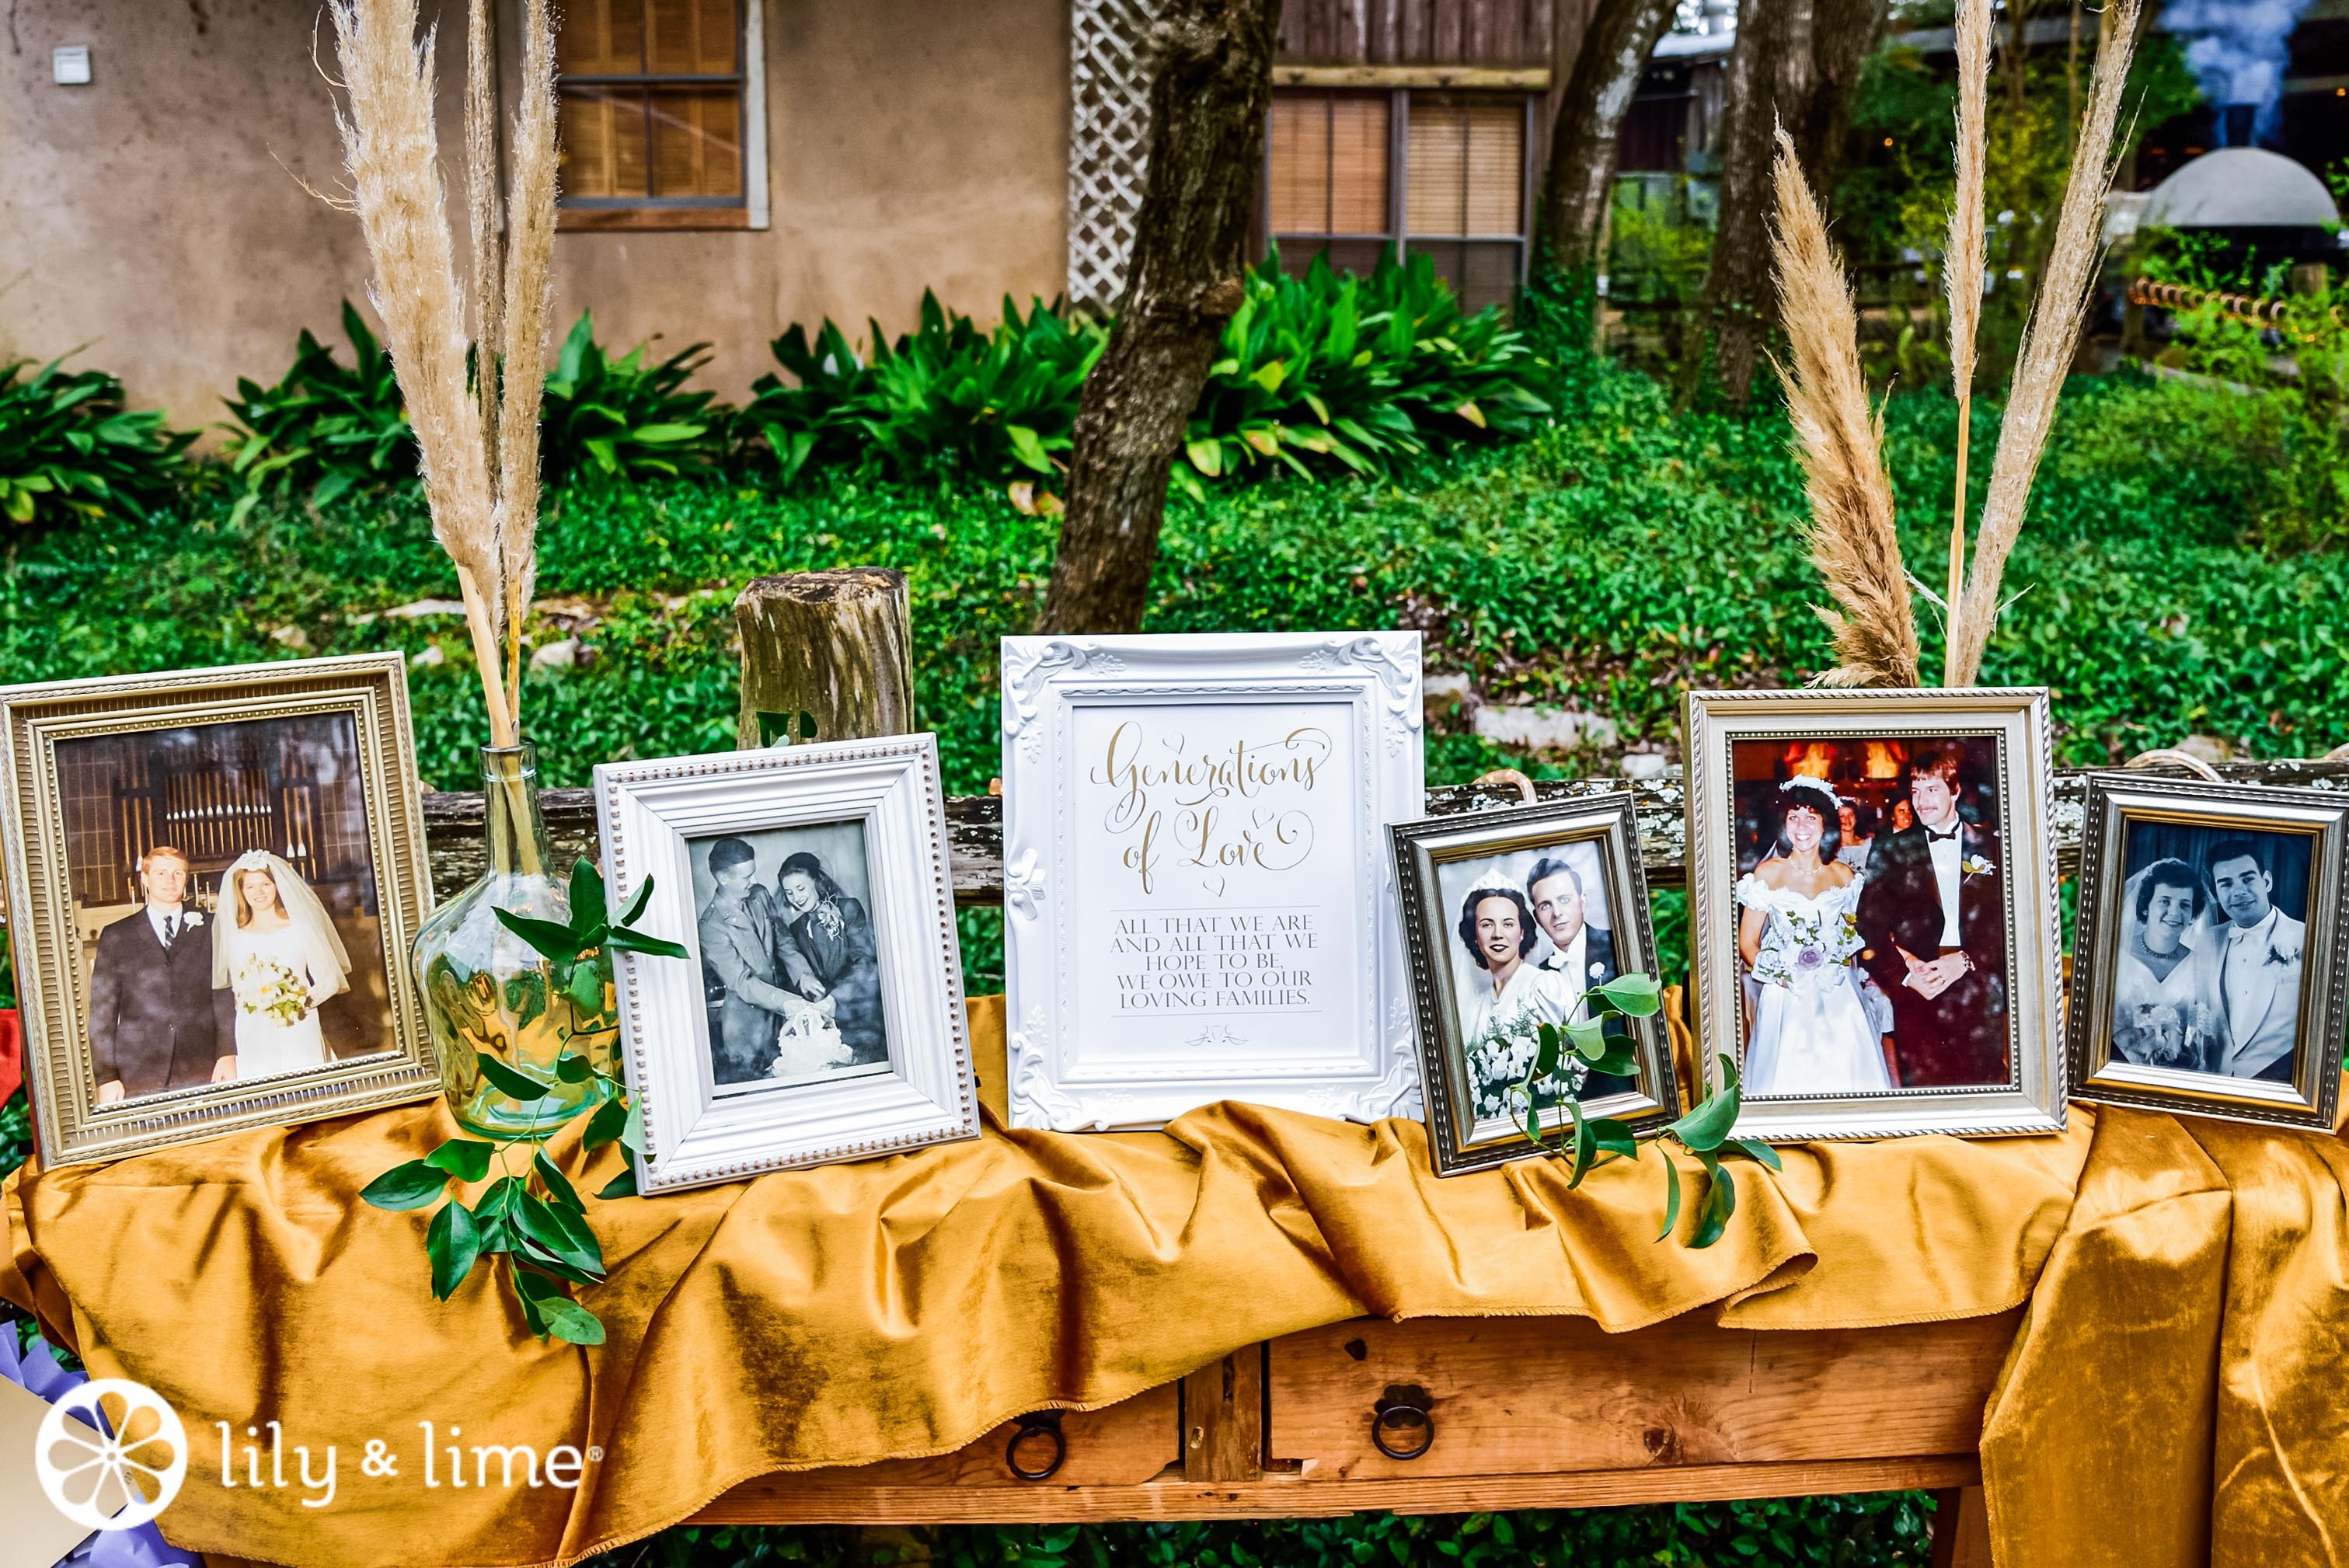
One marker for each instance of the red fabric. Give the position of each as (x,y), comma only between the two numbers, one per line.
(12,1053)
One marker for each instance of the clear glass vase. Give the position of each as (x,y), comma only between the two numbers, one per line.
(487,991)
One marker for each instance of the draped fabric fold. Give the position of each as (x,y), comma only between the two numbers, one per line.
(903,1306)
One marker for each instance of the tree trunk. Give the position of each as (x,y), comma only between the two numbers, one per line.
(1845,36)
(1736,280)
(1587,135)
(1207,108)
(836,647)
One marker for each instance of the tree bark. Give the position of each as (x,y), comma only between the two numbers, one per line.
(1587,135)
(1737,279)
(837,645)
(1208,102)
(1846,35)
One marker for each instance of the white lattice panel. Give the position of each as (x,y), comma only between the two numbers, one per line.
(1109,143)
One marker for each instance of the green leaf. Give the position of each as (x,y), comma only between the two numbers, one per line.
(454,1245)
(1703,1129)
(588,914)
(1547,1049)
(567,1320)
(545,937)
(606,1125)
(643,896)
(1752,1149)
(624,1185)
(1671,1196)
(1206,456)
(408,1186)
(585,984)
(774,726)
(807,725)
(574,1068)
(559,1190)
(632,1134)
(1720,1202)
(526,996)
(468,1158)
(513,1085)
(1621,1061)
(1637,994)
(1586,1145)
(1590,1039)
(563,1234)
(627,941)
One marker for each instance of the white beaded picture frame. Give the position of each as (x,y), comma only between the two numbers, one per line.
(660,820)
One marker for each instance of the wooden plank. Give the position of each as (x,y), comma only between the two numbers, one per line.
(1447,37)
(1554,1394)
(792,1500)
(1223,1418)
(1481,78)
(1961,1529)
(1118,1445)
(452,822)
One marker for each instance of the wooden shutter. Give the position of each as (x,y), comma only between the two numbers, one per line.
(1327,164)
(650,139)
(1467,166)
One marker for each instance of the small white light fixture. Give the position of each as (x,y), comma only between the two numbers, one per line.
(69,65)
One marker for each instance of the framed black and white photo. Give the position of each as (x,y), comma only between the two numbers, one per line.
(820,1017)
(1198,904)
(1511,918)
(213,876)
(1874,934)
(2208,973)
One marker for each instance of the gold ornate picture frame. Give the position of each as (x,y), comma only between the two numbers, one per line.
(304,770)
(2237,1008)
(1917,991)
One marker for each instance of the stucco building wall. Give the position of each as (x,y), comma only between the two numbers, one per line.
(158,215)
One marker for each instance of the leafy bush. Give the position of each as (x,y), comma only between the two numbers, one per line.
(2297,359)
(624,418)
(323,429)
(1884,1529)
(945,401)
(70,449)
(1328,373)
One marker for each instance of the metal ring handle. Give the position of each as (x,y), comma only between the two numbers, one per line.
(1401,1414)
(1040,1423)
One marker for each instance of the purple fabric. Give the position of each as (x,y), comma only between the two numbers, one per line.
(36,1370)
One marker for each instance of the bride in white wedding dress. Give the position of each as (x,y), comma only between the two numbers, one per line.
(275,948)
(1812,1030)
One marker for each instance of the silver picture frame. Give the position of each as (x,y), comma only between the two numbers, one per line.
(2013,724)
(1463,1135)
(2101,1072)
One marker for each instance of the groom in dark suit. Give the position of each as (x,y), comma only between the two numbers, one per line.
(155,1021)
(1581,954)
(1933,915)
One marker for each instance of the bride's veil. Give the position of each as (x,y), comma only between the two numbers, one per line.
(329,961)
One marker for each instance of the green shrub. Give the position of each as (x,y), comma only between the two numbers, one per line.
(945,401)
(2297,360)
(627,420)
(70,451)
(323,428)
(1331,373)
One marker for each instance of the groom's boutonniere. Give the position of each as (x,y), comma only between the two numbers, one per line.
(2279,956)
(195,918)
(1976,866)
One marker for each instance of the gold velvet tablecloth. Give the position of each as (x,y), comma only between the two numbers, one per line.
(2176,1375)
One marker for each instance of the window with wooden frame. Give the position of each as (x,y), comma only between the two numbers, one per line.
(662,115)
(1351,174)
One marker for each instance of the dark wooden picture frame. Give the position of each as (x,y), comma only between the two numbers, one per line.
(1463,1138)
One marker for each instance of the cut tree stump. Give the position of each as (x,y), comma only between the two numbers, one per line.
(836,645)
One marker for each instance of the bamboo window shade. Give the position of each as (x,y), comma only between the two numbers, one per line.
(651,102)
(1334,188)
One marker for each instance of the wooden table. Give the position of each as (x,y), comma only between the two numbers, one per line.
(1514,1412)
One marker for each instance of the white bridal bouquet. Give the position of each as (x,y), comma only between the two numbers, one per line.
(267,988)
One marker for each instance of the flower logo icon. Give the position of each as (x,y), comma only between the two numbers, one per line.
(127,1470)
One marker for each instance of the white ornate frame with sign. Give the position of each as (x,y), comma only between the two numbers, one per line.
(1198,902)
(664,820)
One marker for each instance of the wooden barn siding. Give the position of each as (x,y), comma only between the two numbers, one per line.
(1507,32)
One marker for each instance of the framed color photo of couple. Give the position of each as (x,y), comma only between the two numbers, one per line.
(1872,896)
(2209,975)
(1512,919)
(212,875)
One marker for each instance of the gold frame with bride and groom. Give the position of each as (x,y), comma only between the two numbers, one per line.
(310,761)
